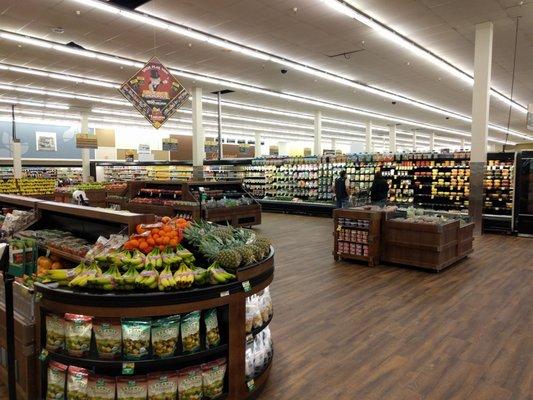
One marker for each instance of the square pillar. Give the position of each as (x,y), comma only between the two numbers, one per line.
(198,142)
(368,137)
(85,153)
(392,138)
(432,141)
(318,134)
(257,146)
(480,120)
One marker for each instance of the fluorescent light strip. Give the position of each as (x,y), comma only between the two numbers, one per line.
(34,104)
(351,11)
(60,76)
(265,56)
(287,96)
(115,102)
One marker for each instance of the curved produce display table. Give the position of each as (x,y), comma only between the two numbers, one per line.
(159,304)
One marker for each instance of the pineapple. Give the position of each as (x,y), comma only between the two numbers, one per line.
(229,259)
(247,254)
(259,252)
(223,232)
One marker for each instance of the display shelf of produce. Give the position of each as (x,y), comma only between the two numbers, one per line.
(62,254)
(135,305)
(257,331)
(146,365)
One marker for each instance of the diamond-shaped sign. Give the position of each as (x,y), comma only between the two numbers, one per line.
(154,92)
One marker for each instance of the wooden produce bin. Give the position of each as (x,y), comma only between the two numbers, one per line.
(428,246)
(465,240)
(356,230)
(236,216)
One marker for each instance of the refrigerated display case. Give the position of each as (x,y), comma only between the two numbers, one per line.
(523,210)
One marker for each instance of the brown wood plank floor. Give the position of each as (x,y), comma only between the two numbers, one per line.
(345,331)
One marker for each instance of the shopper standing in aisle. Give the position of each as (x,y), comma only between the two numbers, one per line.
(340,188)
(379,190)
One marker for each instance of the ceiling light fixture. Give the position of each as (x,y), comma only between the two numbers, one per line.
(398,39)
(287,96)
(34,104)
(340,6)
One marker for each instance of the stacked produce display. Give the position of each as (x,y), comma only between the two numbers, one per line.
(64,175)
(155,259)
(28,186)
(499,185)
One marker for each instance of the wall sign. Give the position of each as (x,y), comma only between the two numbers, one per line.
(46,141)
(273,150)
(86,141)
(154,92)
(170,144)
(144,149)
(211,150)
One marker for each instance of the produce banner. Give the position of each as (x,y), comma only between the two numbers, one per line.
(170,144)
(244,148)
(211,150)
(144,149)
(154,92)
(307,151)
(274,151)
(86,141)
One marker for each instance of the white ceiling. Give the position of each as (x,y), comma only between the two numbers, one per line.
(308,35)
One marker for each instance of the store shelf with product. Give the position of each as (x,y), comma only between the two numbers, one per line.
(498,185)
(76,326)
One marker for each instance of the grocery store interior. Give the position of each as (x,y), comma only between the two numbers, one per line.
(272,200)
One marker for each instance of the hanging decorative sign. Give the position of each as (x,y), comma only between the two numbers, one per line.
(170,144)
(154,92)
(86,141)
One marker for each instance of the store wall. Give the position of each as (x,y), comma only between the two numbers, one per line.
(65,141)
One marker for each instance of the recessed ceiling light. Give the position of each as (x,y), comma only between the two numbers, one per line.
(295,9)
(58,30)
(78,12)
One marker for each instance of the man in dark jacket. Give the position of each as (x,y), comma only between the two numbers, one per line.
(379,190)
(340,188)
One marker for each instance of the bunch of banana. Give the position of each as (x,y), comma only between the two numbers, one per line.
(107,280)
(127,280)
(135,258)
(154,259)
(147,279)
(185,255)
(184,277)
(169,257)
(63,276)
(200,275)
(114,257)
(82,280)
(218,275)
(166,280)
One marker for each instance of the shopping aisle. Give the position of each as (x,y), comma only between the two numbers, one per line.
(347,331)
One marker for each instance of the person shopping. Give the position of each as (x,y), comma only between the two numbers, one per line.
(379,190)
(340,188)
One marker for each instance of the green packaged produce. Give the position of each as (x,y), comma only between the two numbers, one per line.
(213,378)
(108,337)
(165,334)
(190,384)
(77,382)
(55,333)
(132,388)
(190,332)
(163,386)
(100,388)
(78,331)
(135,338)
(212,334)
(55,387)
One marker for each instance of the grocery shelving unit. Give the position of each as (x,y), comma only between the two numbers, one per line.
(229,299)
(498,184)
(357,235)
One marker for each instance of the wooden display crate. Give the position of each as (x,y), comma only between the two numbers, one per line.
(428,246)
(236,216)
(374,231)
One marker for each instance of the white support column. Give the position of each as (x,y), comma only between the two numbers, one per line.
(480,120)
(318,134)
(283,148)
(333,143)
(198,142)
(414,140)
(392,138)
(368,137)
(432,141)
(462,144)
(16,152)
(258,149)
(85,153)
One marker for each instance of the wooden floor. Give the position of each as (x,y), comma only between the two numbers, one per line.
(345,331)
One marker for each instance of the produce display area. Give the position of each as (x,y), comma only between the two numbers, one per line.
(423,239)
(150,308)
(64,175)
